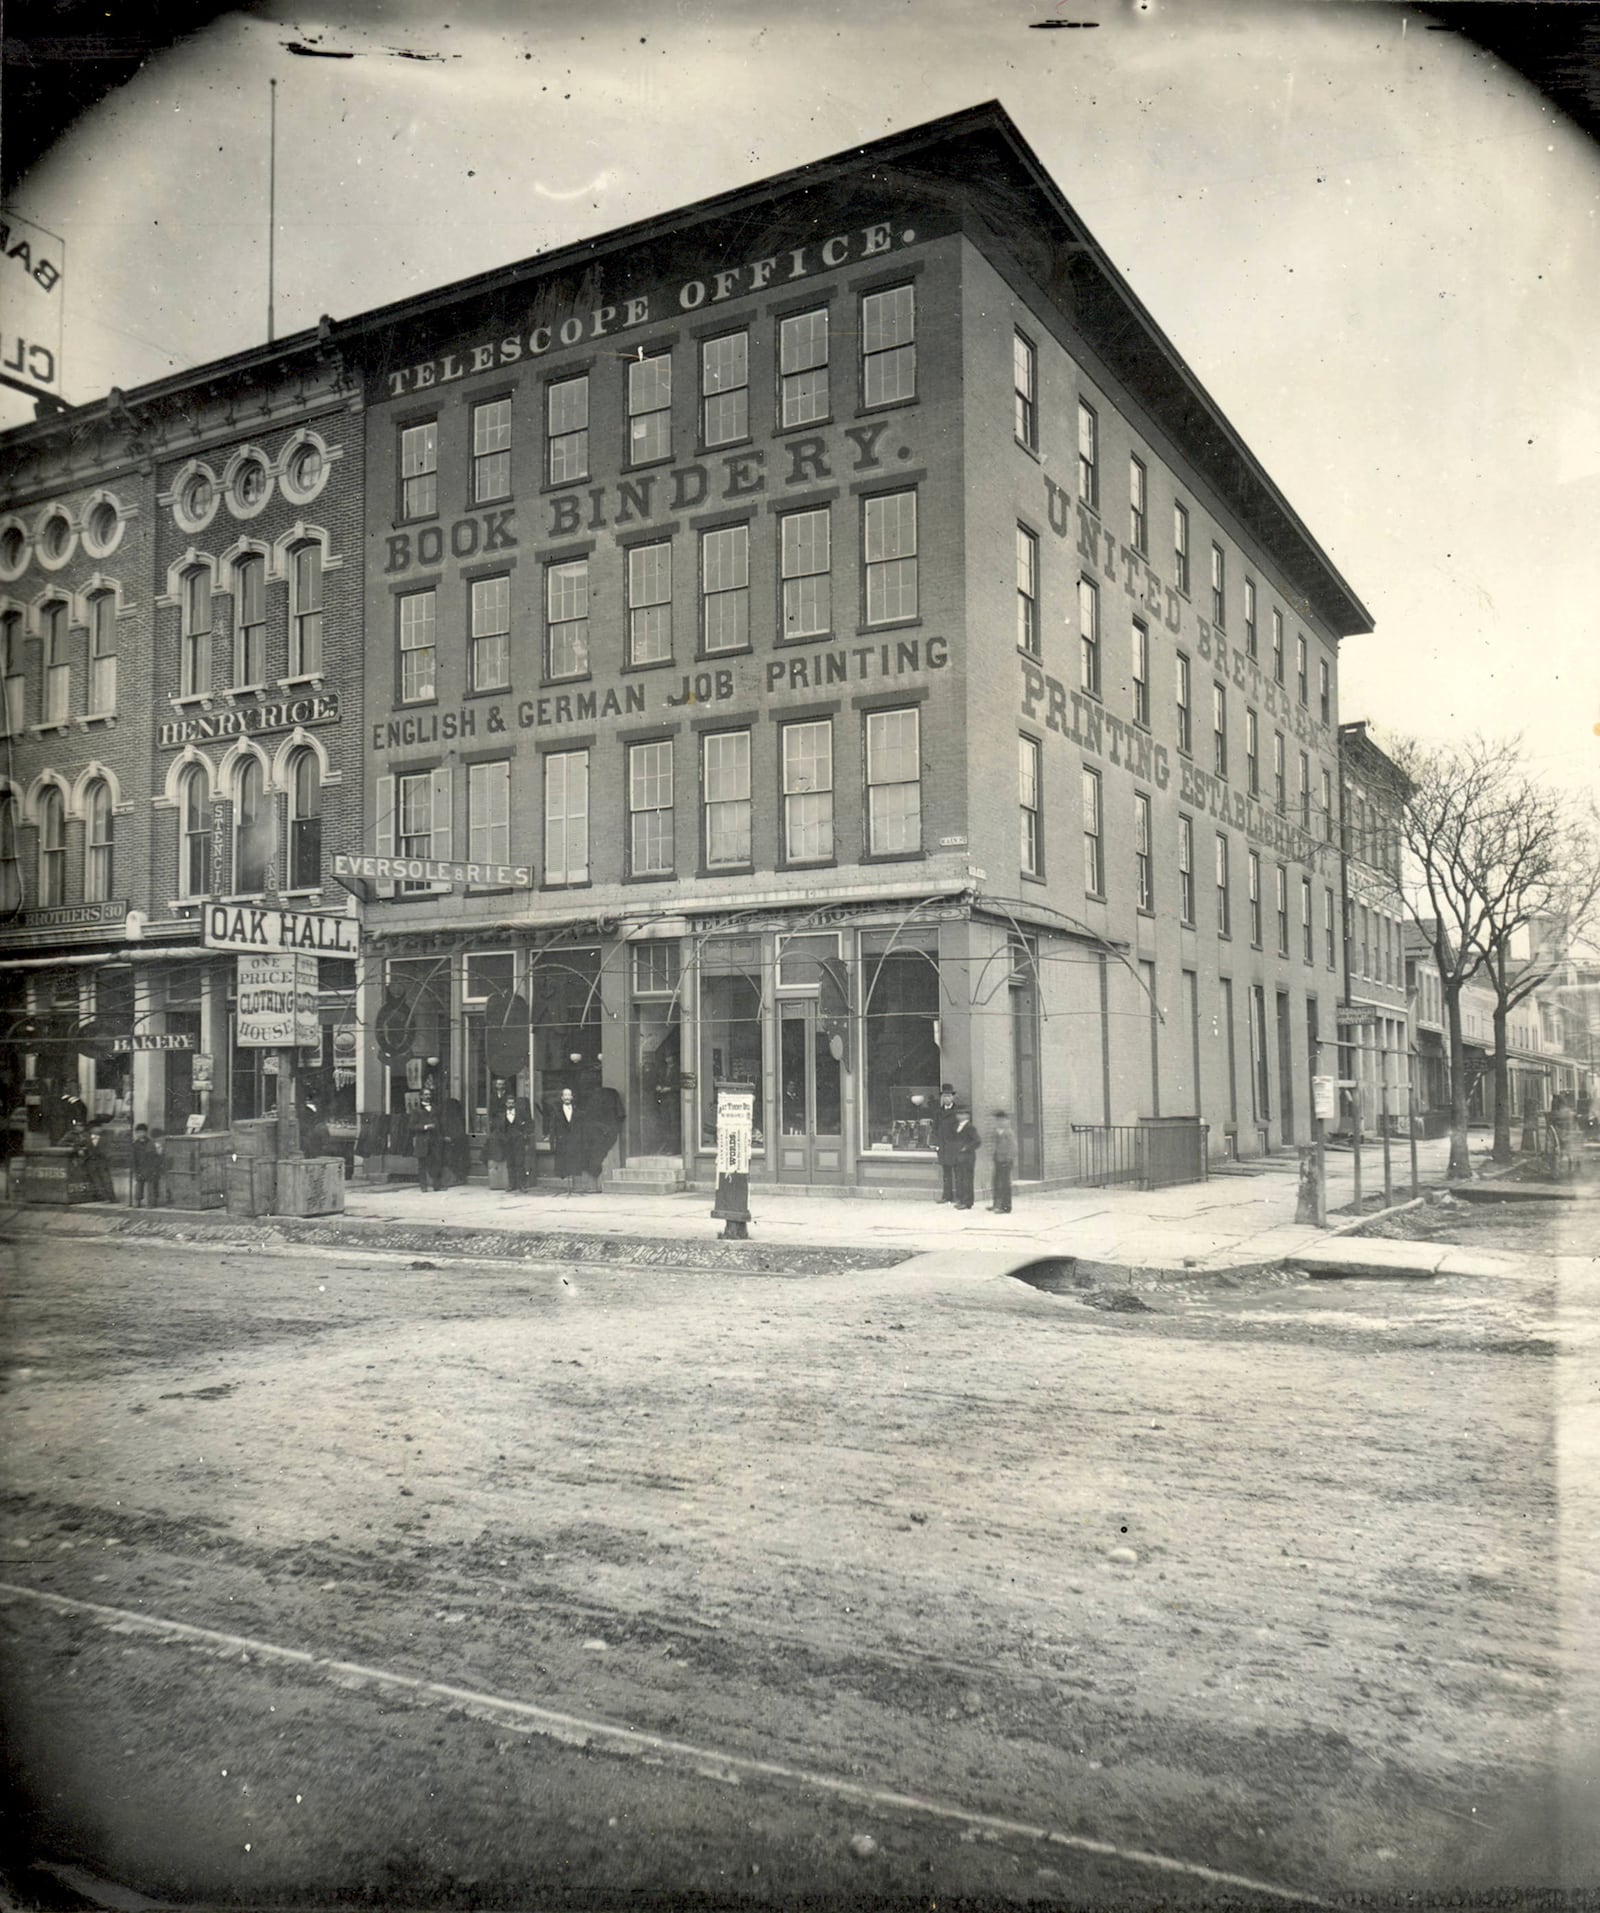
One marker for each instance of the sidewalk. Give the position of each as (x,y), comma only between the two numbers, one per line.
(1239,1219)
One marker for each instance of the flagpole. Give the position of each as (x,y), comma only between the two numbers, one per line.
(272,199)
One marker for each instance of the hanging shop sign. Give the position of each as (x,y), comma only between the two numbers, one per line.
(433,870)
(233,926)
(1356,1016)
(277,1001)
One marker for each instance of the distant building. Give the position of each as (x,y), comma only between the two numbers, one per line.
(1375,1045)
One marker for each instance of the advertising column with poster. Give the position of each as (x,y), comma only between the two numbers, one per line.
(736,1121)
(278,1011)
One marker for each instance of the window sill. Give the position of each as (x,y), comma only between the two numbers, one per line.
(311,895)
(651,876)
(311,681)
(485,690)
(554,486)
(1033,876)
(243,896)
(565,684)
(894,856)
(1022,445)
(233,692)
(727,445)
(650,664)
(810,425)
(648,464)
(193,700)
(714,657)
(92,718)
(50,726)
(888,405)
(707,871)
(577,883)
(808,864)
(899,624)
(787,640)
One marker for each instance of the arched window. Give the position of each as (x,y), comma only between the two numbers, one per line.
(98,873)
(305,619)
(102,653)
(305,822)
(10,870)
(57,672)
(194,852)
(252,829)
(196,640)
(12,682)
(52,849)
(250,621)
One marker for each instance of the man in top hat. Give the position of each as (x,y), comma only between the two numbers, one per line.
(943,1131)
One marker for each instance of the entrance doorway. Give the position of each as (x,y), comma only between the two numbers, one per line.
(1025,1072)
(810,1098)
(1285,1067)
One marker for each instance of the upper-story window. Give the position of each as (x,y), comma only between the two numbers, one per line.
(305,821)
(888,346)
(1094,848)
(650,603)
(725,389)
(889,542)
(13,685)
(650,409)
(1219,587)
(1250,617)
(1252,752)
(194,825)
(803,367)
(1185,869)
(305,610)
(1277,646)
(725,774)
(1180,548)
(807,576)
(1327,807)
(102,653)
(52,849)
(1280,772)
(419,470)
(1030,801)
(567,618)
(1301,669)
(566,411)
(1089,636)
(252,829)
(1139,506)
(1143,853)
(808,791)
(1028,591)
(1088,456)
(650,809)
(491,634)
(99,874)
(1324,691)
(418,655)
(1025,381)
(491,451)
(1141,675)
(1219,728)
(725,588)
(10,870)
(1185,706)
(57,671)
(250,621)
(894,782)
(195,614)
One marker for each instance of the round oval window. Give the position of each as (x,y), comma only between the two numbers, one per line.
(197,495)
(305,467)
(11,544)
(55,537)
(103,523)
(251,483)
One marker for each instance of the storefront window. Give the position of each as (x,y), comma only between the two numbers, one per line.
(730,1045)
(655,1051)
(900,993)
(422,985)
(565,1001)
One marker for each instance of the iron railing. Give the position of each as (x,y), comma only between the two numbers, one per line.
(1153,1154)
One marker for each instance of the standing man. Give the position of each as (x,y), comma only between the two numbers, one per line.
(427,1140)
(964,1145)
(943,1133)
(511,1138)
(1002,1158)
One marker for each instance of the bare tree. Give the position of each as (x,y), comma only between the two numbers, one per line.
(1503,872)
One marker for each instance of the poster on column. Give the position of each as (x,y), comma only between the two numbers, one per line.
(277,1000)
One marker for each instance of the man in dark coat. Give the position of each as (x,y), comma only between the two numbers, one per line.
(427,1141)
(511,1139)
(602,1115)
(567,1139)
(943,1130)
(964,1141)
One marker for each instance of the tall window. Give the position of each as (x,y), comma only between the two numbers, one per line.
(98,872)
(1186,868)
(10,869)
(650,409)
(807,577)
(1143,871)
(1180,547)
(1324,691)
(566,817)
(1281,897)
(419,470)
(491,451)
(1277,646)
(1302,683)
(413,819)
(803,367)
(305,821)
(1252,752)
(1028,591)
(1031,800)
(1094,848)
(1327,807)
(52,849)
(1308,946)
(566,588)
(1280,775)
(305,610)
(1329,930)
(566,427)
(888,346)
(808,791)
(650,808)
(195,616)
(725,777)
(1219,587)
(252,829)
(889,540)
(194,823)
(1224,888)
(1025,383)
(1089,636)
(894,782)
(1305,791)
(490,668)
(13,685)
(1139,506)
(1219,728)
(725,588)
(650,603)
(1088,456)
(250,614)
(1250,616)
(1253,867)
(489,812)
(1185,707)
(102,653)
(1141,675)
(725,389)
(417,652)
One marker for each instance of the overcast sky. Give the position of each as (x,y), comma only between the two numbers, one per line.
(1375,246)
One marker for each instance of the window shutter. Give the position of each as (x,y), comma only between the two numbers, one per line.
(441,821)
(383,832)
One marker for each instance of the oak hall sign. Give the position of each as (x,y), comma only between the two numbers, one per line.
(233,926)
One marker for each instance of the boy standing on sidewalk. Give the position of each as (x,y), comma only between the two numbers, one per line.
(964,1143)
(1002,1156)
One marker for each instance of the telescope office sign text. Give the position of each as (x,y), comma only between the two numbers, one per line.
(278,1001)
(235,926)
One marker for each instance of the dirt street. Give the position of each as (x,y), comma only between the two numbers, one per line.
(1260,1579)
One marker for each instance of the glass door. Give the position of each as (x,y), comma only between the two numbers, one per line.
(810,1098)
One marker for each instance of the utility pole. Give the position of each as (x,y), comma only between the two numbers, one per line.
(272,197)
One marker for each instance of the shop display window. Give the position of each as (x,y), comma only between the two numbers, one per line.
(900,1045)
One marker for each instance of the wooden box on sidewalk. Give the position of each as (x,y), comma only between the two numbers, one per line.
(310,1186)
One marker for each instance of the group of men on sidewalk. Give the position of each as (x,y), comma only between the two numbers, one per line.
(956,1139)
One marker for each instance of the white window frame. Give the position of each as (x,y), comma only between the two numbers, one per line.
(725,798)
(807,778)
(894,827)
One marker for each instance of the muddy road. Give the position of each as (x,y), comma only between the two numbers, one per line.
(328,1578)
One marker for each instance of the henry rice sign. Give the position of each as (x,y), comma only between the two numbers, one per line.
(233,926)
